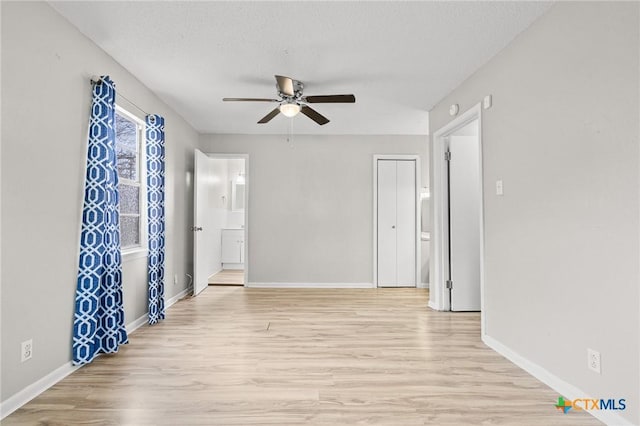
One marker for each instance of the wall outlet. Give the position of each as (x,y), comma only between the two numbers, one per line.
(499,188)
(593,359)
(175,279)
(26,350)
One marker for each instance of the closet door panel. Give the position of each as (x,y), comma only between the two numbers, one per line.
(406,223)
(387,223)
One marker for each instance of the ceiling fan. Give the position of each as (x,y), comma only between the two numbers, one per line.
(292,101)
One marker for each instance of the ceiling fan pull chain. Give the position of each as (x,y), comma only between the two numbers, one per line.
(290,134)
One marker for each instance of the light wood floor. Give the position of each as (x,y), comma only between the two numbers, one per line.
(227,277)
(241,356)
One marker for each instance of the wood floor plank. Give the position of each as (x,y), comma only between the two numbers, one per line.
(227,277)
(242,356)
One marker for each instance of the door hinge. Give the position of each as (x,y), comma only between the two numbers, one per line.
(449,284)
(447,156)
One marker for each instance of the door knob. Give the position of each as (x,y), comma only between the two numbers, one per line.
(393,227)
(196,228)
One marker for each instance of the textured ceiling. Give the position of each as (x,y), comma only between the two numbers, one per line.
(398,58)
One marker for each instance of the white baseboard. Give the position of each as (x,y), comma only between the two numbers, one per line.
(563,388)
(144,319)
(137,323)
(310,285)
(433,306)
(27,394)
(213,273)
(233,266)
(33,390)
(170,302)
(423,285)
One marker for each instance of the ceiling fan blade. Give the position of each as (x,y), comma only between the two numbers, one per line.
(285,85)
(267,118)
(314,115)
(249,100)
(327,99)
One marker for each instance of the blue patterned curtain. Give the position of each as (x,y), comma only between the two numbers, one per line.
(98,324)
(155,215)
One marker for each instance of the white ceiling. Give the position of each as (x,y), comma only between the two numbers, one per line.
(398,58)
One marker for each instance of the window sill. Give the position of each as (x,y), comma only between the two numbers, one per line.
(134,253)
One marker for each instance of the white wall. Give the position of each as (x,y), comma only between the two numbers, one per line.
(235,219)
(425,245)
(46,94)
(216,213)
(561,245)
(311,203)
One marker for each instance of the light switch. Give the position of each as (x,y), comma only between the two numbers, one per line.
(487,102)
(499,189)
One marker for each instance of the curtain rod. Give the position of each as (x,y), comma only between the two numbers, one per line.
(96,80)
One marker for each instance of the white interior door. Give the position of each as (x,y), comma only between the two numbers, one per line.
(396,227)
(387,264)
(406,223)
(200,276)
(465,226)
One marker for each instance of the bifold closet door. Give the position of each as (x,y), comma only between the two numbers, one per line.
(396,223)
(387,171)
(406,224)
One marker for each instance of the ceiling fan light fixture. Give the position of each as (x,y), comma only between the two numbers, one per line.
(291,101)
(289,109)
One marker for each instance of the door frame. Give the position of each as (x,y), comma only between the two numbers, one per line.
(247,185)
(377,157)
(439,238)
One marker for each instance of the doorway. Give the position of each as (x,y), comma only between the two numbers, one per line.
(396,207)
(221,188)
(458,227)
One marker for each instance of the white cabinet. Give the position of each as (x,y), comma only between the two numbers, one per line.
(397,238)
(232,246)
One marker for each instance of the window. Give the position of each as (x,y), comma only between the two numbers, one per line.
(129,154)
